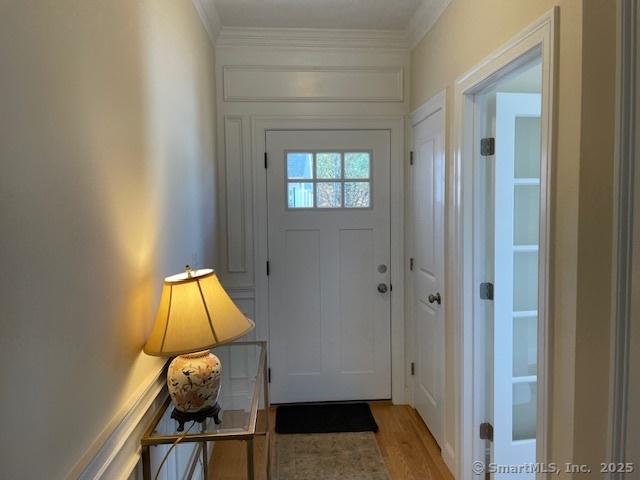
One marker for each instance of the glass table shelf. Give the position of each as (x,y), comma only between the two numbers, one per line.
(243,393)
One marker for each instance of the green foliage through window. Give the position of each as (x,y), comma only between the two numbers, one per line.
(356,165)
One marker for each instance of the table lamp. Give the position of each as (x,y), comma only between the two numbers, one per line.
(195,314)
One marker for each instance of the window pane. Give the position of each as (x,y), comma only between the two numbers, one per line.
(329,195)
(527,148)
(300,195)
(524,410)
(357,165)
(525,346)
(525,281)
(526,214)
(299,166)
(328,165)
(356,194)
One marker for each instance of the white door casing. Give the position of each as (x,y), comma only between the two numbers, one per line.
(329,325)
(428,268)
(517,197)
(538,39)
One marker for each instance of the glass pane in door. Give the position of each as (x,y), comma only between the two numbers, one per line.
(329,195)
(526,205)
(525,281)
(527,147)
(300,195)
(525,345)
(524,410)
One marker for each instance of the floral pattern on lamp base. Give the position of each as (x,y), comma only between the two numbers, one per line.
(193,380)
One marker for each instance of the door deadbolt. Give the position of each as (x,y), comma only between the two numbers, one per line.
(435,298)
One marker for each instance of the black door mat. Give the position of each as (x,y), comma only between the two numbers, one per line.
(325,418)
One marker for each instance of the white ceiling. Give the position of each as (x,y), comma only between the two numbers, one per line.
(340,14)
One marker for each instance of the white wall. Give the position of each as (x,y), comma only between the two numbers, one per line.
(282,74)
(279,81)
(107,126)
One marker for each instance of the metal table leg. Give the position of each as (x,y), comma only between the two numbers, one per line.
(268,450)
(250,471)
(205,461)
(146,463)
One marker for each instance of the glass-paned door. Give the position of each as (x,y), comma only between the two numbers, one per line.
(515,332)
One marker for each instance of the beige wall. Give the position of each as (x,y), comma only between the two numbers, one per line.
(468,31)
(106,185)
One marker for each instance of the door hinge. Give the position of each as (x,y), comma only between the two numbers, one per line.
(268,268)
(487,147)
(269,375)
(486,431)
(266,159)
(410,158)
(486,291)
(411,264)
(413,368)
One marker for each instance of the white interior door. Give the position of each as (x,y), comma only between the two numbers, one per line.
(329,272)
(428,269)
(517,219)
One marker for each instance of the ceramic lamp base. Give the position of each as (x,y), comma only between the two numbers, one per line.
(193,380)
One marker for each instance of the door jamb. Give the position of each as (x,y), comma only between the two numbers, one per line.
(430,107)
(538,38)
(395,125)
(625,199)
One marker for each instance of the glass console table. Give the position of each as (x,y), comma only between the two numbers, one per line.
(243,388)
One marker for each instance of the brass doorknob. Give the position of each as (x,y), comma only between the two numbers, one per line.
(435,298)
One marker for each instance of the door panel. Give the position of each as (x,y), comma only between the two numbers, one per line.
(328,207)
(428,279)
(302,281)
(357,345)
(517,198)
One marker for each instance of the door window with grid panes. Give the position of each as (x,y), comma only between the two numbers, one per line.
(318,180)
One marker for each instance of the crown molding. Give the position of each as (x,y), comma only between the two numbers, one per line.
(424,19)
(209,17)
(312,38)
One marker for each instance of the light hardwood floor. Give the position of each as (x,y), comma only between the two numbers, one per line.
(408,449)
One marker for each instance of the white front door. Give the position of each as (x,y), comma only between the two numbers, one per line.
(329,272)
(428,268)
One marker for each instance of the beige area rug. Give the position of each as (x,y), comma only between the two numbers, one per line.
(329,456)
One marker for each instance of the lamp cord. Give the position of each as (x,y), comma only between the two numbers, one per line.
(166,456)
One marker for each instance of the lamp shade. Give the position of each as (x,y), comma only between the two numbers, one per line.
(195,313)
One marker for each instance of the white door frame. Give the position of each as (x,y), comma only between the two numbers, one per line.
(435,104)
(537,39)
(394,124)
(626,178)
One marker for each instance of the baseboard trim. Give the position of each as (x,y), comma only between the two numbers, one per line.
(449,457)
(110,444)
